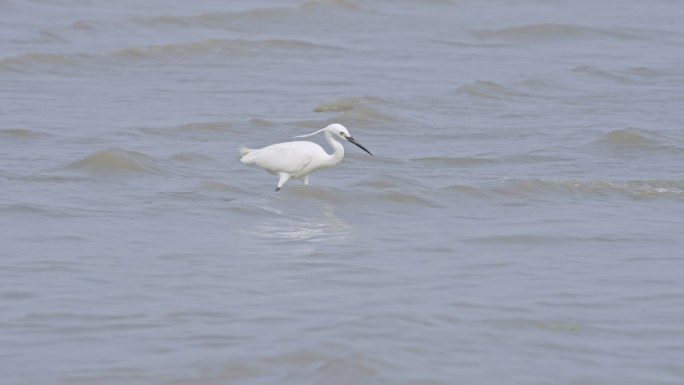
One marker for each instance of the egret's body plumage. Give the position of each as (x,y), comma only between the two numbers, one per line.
(298,159)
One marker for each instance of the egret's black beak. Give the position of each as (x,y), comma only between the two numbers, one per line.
(349,138)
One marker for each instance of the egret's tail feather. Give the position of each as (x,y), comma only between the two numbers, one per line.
(244,151)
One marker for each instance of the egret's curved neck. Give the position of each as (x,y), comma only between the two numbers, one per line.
(338,150)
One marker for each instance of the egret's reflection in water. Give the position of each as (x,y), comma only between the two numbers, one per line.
(320,224)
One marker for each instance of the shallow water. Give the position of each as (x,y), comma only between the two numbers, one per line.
(520,222)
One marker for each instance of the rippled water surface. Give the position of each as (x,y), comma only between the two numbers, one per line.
(521,221)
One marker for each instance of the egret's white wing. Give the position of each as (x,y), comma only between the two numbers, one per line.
(288,157)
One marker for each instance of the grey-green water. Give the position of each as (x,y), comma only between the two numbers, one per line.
(520,222)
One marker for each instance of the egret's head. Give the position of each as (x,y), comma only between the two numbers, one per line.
(339,130)
(342,132)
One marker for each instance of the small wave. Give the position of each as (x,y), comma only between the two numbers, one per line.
(466,190)
(50,178)
(230,46)
(325,194)
(317,363)
(21,208)
(230,19)
(517,239)
(55,62)
(540,86)
(532,158)
(456,161)
(541,239)
(215,19)
(631,136)
(397,189)
(377,184)
(409,198)
(462,44)
(203,126)
(46,36)
(596,72)
(522,323)
(381,189)
(218,186)
(208,129)
(191,157)
(383,192)
(261,122)
(20,133)
(570,187)
(328,4)
(32,61)
(347,104)
(551,31)
(358,110)
(389,181)
(38,210)
(647,72)
(86,25)
(116,161)
(211,190)
(632,141)
(490,90)
(364,115)
(15,295)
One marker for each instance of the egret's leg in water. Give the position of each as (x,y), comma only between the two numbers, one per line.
(306,179)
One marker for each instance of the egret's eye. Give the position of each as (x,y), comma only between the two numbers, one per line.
(341,133)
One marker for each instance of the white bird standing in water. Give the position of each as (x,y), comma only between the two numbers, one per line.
(301,158)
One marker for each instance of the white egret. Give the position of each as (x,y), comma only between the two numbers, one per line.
(300,158)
